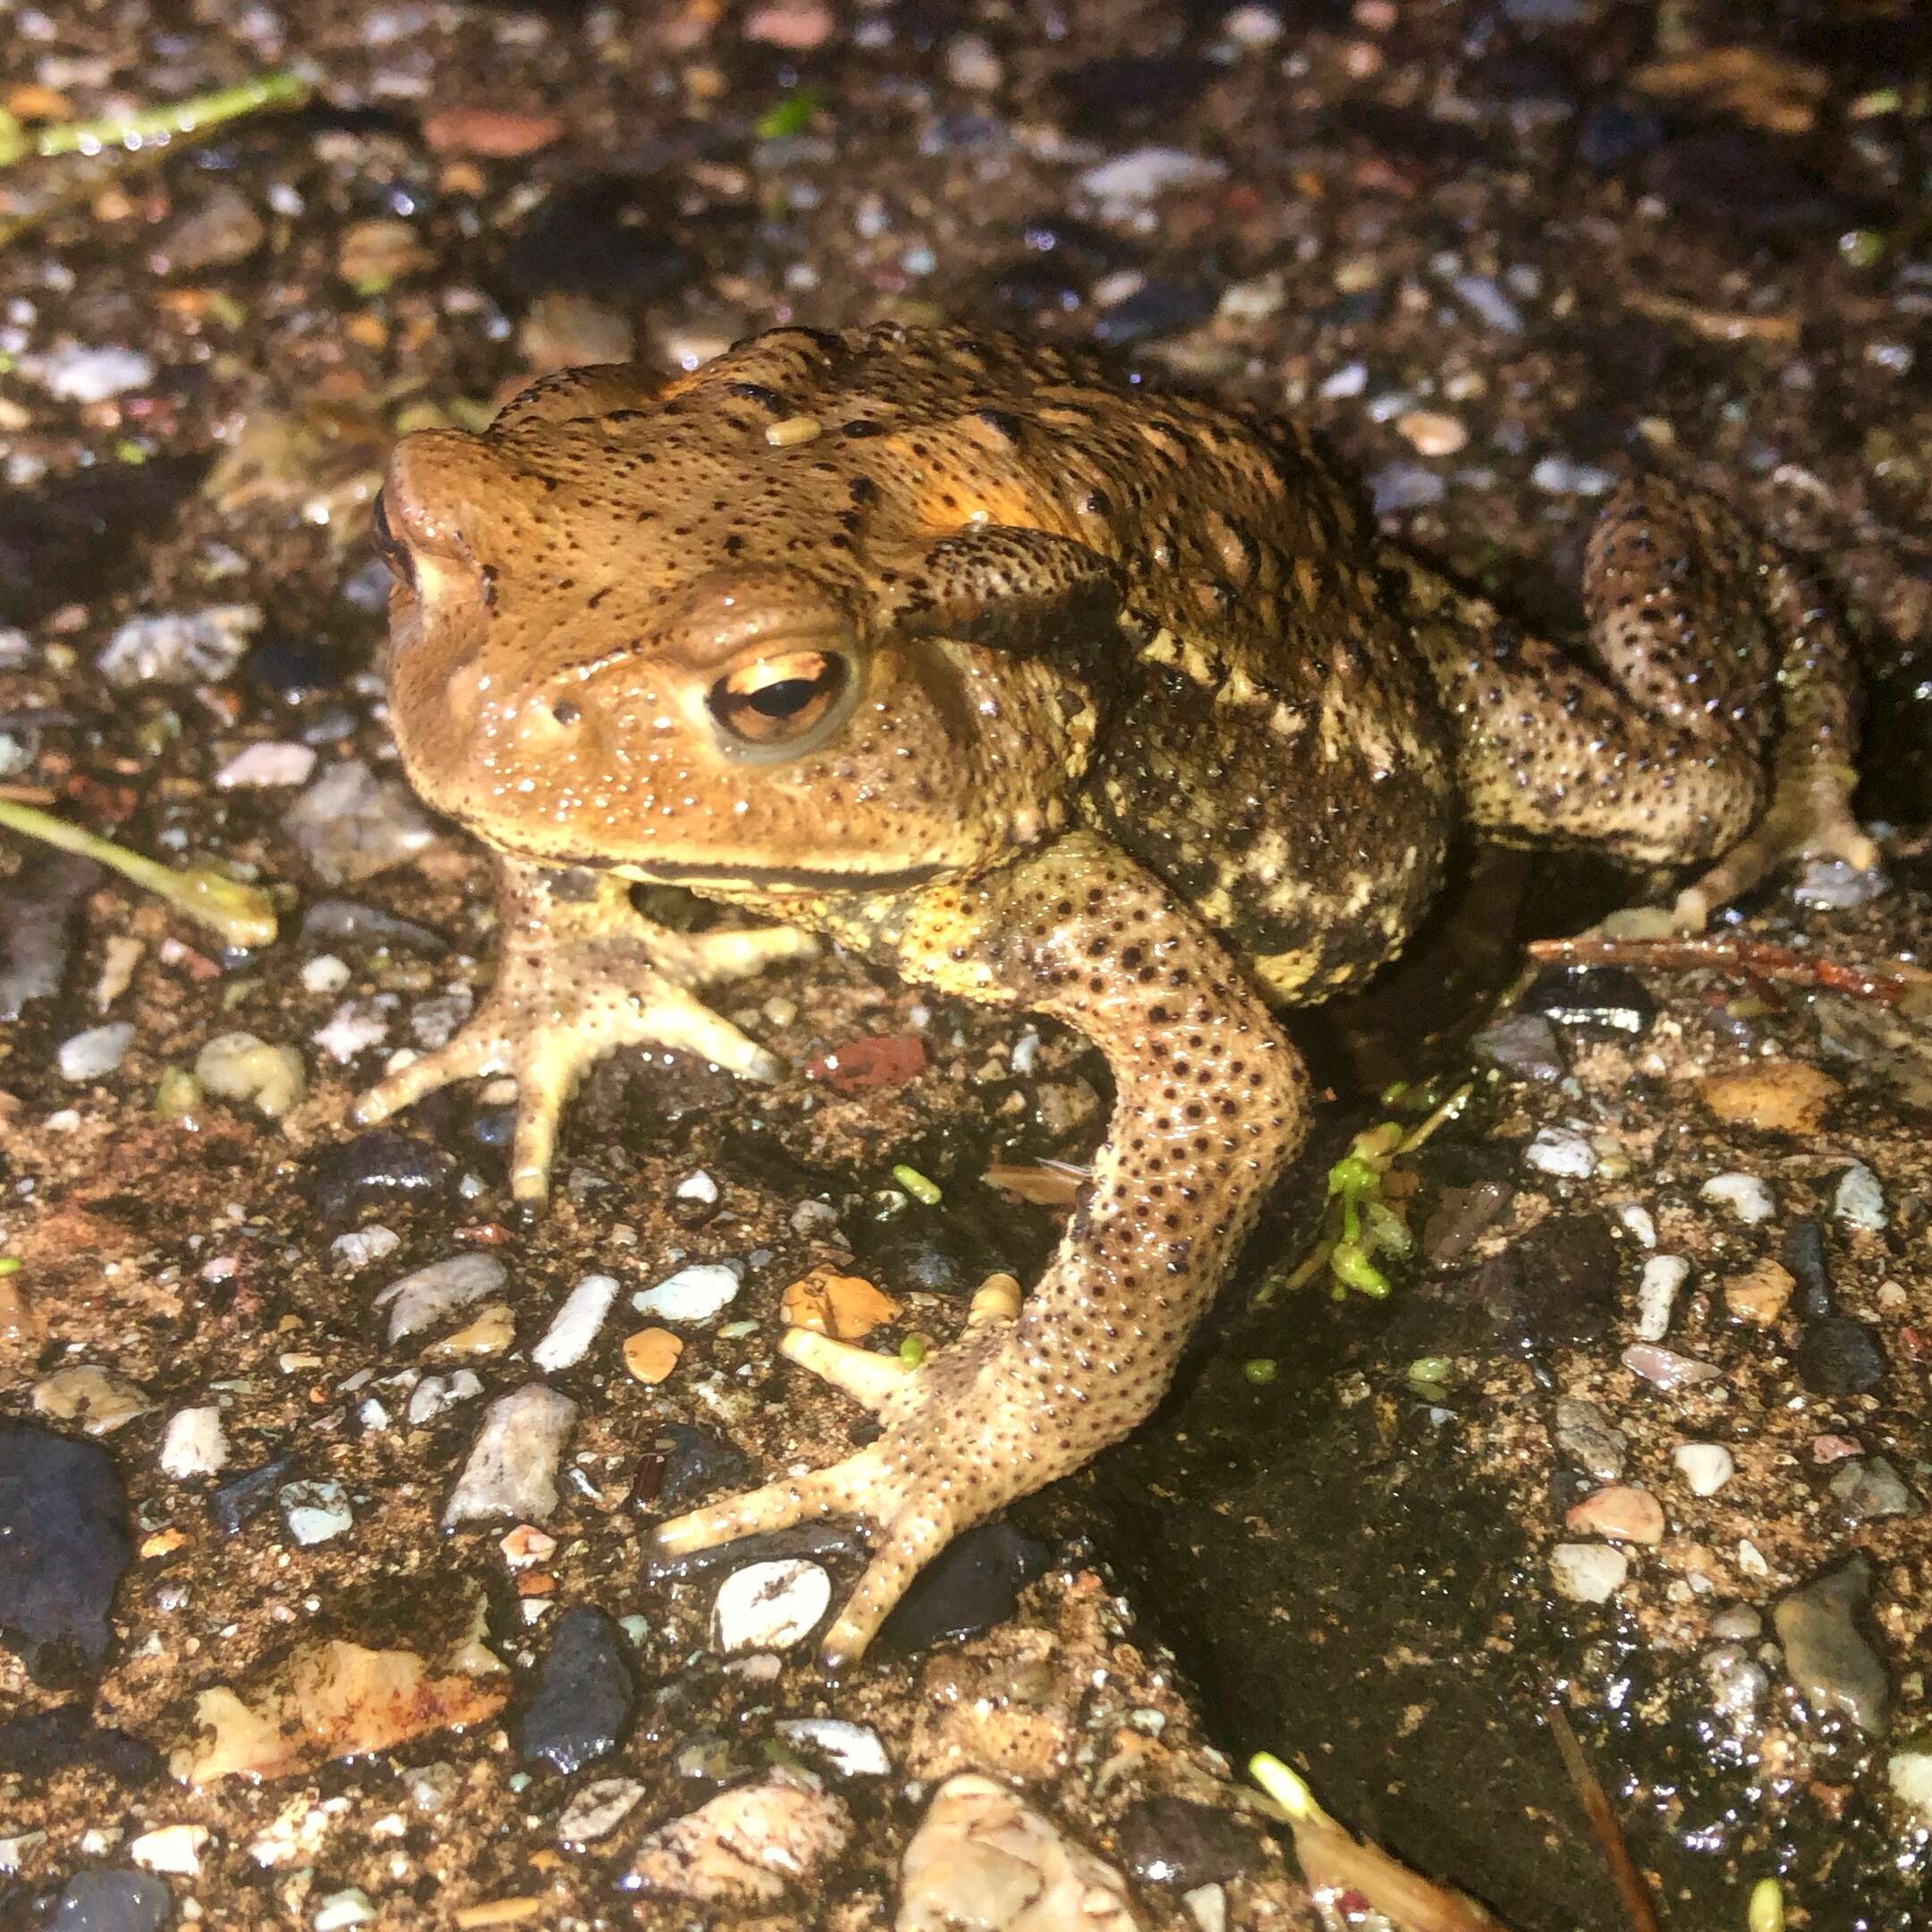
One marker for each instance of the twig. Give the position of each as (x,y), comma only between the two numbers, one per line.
(1888,984)
(1629,1881)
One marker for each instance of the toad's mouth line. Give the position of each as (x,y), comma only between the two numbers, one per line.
(695,873)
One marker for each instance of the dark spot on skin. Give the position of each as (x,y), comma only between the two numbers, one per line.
(861,426)
(765,399)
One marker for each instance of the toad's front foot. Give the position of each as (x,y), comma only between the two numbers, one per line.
(967,1431)
(577,978)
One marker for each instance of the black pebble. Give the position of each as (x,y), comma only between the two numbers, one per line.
(1556,1288)
(1839,1357)
(63,1545)
(113,1902)
(584,1694)
(971,1585)
(246,1494)
(595,239)
(1804,1256)
(686,1463)
(377,1166)
(1177,1842)
(1593,999)
(1159,308)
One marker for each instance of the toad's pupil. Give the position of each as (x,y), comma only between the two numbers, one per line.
(784,698)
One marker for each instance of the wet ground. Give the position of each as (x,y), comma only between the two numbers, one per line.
(1500,254)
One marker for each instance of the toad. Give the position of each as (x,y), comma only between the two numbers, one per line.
(1053,693)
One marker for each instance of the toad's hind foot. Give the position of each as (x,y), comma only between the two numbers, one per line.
(937,1470)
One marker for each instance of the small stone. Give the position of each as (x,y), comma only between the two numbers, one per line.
(1622,1512)
(769,1605)
(491,133)
(63,1545)
(370,255)
(1555,1151)
(1909,1775)
(1826,1656)
(1860,1201)
(568,1339)
(315,1512)
(847,1307)
(1745,1195)
(1831,1447)
(1657,1294)
(1759,1294)
(1737,1623)
(511,1470)
(751,1845)
(1564,475)
(113,1902)
(854,1749)
(1871,1488)
(698,1186)
(1523,1044)
(1589,1572)
(262,767)
(100,1400)
(1397,487)
(339,1910)
(242,1497)
(75,373)
(1666,1369)
(1590,1440)
(193,1443)
(97,1053)
(584,1695)
(1738,1684)
(1839,1357)
(1784,1096)
(435,1394)
(1183,1844)
(973,1584)
(170,1848)
(1147,173)
(351,826)
(599,1809)
(180,647)
(652,1353)
(1706,1467)
(1604,1000)
(490,1332)
(1432,433)
(527,1545)
(429,1293)
(692,1294)
(796,25)
(240,1067)
(1482,294)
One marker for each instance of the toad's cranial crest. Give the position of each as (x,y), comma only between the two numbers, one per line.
(1055,694)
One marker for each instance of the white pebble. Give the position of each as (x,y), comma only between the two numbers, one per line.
(1860,1201)
(577,1322)
(361,1246)
(276,763)
(77,373)
(352,1906)
(769,1605)
(1704,1466)
(1909,1775)
(1657,1294)
(1638,1221)
(435,1394)
(315,1512)
(350,1030)
(433,1292)
(324,973)
(698,1186)
(1557,1152)
(598,1809)
(855,1750)
(97,1053)
(692,1294)
(1148,172)
(170,1848)
(1744,1194)
(1589,1572)
(193,1443)
(511,1470)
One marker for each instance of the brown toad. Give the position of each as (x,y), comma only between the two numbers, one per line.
(1055,694)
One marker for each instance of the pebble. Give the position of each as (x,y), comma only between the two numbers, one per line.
(75,373)
(752,1845)
(1760,1294)
(1909,1775)
(511,1470)
(63,1545)
(1564,475)
(1555,1151)
(492,1331)
(193,1443)
(1865,1488)
(1587,1436)
(698,1186)
(1826,1654)
(1657,1294)
(170,1848)
(435,1394)
(40,906)
(100,1400)
(769,1605)
(568,1339)
(241,1066)
(1432,433)
(315,1512)
(1839,1357)
(350,824)
(1784,1096)
(599,1809)
(584,1695)
(683,1462)
(1184,1844)
(1666,1369)
(973,1584)
(847,1307)
(1606,1000)
(1589,1572)
(1147,173)
(651,1354)
(113,1902)
(1745,1195)
(1622,1512)
(1404,486)
(97,1053)
(358,1249)
(263,765)
(1523,1044)
(1860,1201)
(796,25)
(429,1293)
(1706,1467)
(1738,1684)
(1481,294)
(854,1749)
(983,1857)
(1737,1623)
(1834,886)
(339,1910)
(692,1294)
(180,647)
(243,1497)
(493,133)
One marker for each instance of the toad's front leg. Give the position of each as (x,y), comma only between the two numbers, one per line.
(1211,1104)
(578,974)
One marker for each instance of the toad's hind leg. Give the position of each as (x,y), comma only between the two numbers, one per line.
(1717,722)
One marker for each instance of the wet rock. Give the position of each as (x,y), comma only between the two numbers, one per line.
(376,1167)
(1664,1369)
(420,1299)
(170,1848)
(1826,1656)
(39,911)
(769,1605)
(98,1399)
(268,765)
(193,1443)
(1605,1000)
(179,647)
(1663,1276)
(493,133)
(511,1470)
(1871,1488)
(749,1846)
(651,1354)
(692,1294)
(1759,1294)
(1622,1512)
(1589,1572)
(243,1067)
(1745,1195)
(1460,1216)
(315,1512)
(246,1496)
(1587,1436)
(1738,1684)
(1705,1467)
(347,922)
(584,1695)
(113,1902)
(39,1743)
(575,1326)
(1909,1775)
(1839,1357)
(983,1857)
(350,824)
(599,237)
(63,1545)
(1804,1258)
(1523,1044)
(599,1809)
(1146,174)
(1157,310)
(684,1464)
(1556,1288)
(490,1334)
(1404,485)
(1860,1201)
(1179,1842)
(1784,1096)
(436,1393)
(95,1054)
(973,1584)
(1557,1151)
(852,1749)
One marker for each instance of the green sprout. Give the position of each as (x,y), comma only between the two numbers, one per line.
(152,127)
(791,115)
(918,1185)
(237,913)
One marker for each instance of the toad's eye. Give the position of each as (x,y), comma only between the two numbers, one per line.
(777,700)
(394,553)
